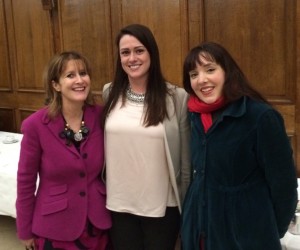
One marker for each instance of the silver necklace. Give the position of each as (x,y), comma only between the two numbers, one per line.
(134,97)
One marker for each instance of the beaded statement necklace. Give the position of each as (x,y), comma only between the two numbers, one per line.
(71,136)
(134,97)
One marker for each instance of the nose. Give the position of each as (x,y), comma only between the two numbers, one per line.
(132,56)
(202,78)
(79,78)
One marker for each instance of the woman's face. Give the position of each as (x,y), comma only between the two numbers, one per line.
(207,80)
(74,83)
(135,59)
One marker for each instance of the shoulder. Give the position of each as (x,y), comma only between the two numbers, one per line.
(177,99)
(35,120)
(105,91)
(106,86)
(263,112)
(93,111)
(36,117)
(176,91)
(93,108)
(259,108)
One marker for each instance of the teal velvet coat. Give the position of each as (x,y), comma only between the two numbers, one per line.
(244,189)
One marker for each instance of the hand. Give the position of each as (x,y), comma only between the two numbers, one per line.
(29,244)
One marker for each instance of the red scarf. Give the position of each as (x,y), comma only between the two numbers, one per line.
(198,106)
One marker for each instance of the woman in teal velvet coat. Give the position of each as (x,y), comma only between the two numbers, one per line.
(243,192)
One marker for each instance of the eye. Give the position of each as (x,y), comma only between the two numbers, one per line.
(140,51)
(124,53)
(71,75)
(83,73)
(211,70)
(193,74)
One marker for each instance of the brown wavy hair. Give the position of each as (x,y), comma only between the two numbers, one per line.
(53,72)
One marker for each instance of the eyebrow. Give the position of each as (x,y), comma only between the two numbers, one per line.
(137,47)
(79,70)
(208,64)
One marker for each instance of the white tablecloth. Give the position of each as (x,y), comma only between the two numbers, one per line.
(9,157)
(290,242)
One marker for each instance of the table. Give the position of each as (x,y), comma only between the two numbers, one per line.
(9,158)
(290,242)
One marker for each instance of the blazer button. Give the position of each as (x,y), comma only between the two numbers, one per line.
(84,156)
(82,174)
(82,193)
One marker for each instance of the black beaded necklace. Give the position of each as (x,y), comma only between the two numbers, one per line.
(71,136)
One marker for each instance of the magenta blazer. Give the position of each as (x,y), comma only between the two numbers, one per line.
(70,189)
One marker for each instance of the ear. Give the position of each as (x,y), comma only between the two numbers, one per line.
(56,86)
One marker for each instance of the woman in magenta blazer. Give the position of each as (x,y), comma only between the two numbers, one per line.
(60,194)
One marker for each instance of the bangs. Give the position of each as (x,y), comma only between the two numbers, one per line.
(78,64)
(197,58)
(205,55)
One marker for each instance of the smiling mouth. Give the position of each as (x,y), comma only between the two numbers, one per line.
(206,90)
(134,66)
(79,89)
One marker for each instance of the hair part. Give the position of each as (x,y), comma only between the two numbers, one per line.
(53,72)
(236,83)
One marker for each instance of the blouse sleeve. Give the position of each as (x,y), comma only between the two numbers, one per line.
(184,130)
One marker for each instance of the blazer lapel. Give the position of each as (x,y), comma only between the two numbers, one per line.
(168,123)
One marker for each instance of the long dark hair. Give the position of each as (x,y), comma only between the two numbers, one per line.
(155,98)
(236,84)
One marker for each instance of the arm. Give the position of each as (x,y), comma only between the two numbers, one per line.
(30,156)
(184,130)
(105,91)
(276,157)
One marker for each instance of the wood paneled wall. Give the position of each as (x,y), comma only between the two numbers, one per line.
(262,35)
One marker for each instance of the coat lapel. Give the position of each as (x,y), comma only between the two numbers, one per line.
(56,126)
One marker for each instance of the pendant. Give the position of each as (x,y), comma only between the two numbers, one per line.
(78,136)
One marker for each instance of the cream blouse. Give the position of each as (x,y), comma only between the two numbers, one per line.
(137,172)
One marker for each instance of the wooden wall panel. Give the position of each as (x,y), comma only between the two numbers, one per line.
(85,27)
(7,120)
(297,83)
(26,48)
(259,33)
(5,80)
(34,47)
(195,22)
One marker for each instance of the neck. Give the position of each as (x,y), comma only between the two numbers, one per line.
(138,87)
(72,111)
(73,117)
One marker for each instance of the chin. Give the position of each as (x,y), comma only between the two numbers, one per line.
(209,100)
